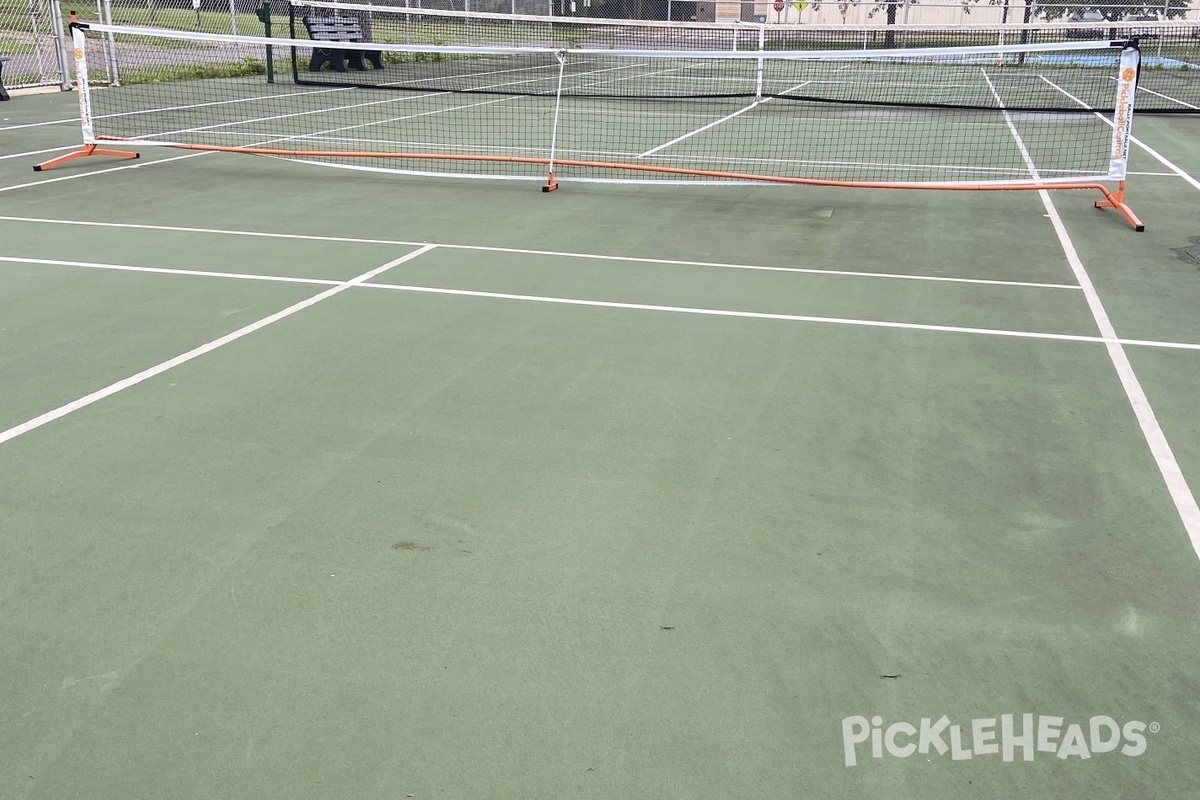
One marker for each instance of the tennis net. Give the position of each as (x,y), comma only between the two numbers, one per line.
(1170,50)
(984,117)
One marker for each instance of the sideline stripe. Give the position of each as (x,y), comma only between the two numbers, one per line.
(1164,457)
(1168,467)
(715,312)
(556,253)
(146,374)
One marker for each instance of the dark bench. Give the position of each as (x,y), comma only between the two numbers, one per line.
(3,91)
(338,28)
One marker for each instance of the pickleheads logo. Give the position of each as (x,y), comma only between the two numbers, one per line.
(983,737)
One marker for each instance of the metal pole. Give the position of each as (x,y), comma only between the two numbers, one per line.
(551,185)
(758,79)
(34,28)
(114,75)
(264,15)
(233,17)
(64,67)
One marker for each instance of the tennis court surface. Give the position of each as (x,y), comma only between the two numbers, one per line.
(319,483)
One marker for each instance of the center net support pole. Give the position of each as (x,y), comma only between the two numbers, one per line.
(562,66)
(90,147)
(758,78)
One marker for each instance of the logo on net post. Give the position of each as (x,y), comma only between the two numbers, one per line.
(1005,736)
(1128,75)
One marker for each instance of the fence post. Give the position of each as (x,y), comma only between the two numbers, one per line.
(114,75)
(264,15)
(60,46)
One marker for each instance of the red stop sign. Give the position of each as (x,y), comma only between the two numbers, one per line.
(779,5)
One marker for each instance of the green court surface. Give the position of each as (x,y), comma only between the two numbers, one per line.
(612,492)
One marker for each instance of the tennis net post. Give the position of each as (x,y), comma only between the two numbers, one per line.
(83,90)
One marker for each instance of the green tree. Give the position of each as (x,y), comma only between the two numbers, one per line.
(1114,11)
(893,11)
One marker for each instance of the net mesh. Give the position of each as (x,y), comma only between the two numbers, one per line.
(1170,80)
(990,114)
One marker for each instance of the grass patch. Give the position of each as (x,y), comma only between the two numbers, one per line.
(16,80)
(186,20)
(16,48)
(194,72)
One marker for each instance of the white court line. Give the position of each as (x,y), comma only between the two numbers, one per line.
(183,358)
(136,164)
(199,273)
(1153,153)
(720,312)
(1168,467)
(40,152)
(1160,94)
(38,124)
(712,312)
(701,129)
(527,251)
(1166,97)
(725,118)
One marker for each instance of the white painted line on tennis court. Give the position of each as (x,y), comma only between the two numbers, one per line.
(199,273)
(146,374)
(553,253)
(39,124)
(725,118)
(703,128)
(1141,89)
(40,152)
(138,164)
(1164,457)
(1162,159)
(766,315)
(1151,151)
(1160,448)
(714,312)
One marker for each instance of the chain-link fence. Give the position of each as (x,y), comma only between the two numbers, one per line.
(31,38)
(822,12)
(31,32)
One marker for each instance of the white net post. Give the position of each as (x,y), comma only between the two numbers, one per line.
(1127,73)
(87,129)
(79,49)
(550,186)
(758,80)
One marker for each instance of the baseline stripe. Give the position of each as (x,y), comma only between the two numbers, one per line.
(554,253)
(715,312)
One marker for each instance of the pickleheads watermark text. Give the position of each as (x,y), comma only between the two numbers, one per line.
(1008,736)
